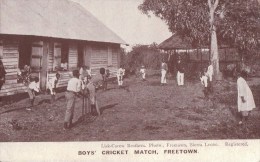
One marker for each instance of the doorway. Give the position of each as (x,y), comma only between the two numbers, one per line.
(81,61)
(25,52)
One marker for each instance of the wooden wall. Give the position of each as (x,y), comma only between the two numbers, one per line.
(10,54)
(73,56)
(99,58)
(51,57)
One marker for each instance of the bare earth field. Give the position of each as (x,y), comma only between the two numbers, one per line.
(140,111)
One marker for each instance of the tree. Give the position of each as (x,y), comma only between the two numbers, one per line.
(204,22)
(147,55)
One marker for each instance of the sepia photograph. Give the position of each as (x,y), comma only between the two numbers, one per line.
(160,77)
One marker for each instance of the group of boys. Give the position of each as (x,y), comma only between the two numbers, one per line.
(82,85)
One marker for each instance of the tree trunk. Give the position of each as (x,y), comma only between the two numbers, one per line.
(214,52)
(213,40)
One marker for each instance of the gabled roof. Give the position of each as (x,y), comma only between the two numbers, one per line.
(175,42)
(178,42)
(53,18)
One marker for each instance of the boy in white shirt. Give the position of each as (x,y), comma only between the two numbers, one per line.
(52,85)
(204,81)
(164,69)
(73,89)
(32,88)
(142,71)
(120,74)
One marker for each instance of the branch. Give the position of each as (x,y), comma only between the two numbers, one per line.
(209,3)
(216,4)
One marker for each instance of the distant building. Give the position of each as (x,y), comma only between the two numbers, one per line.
(176,45)
(53,36)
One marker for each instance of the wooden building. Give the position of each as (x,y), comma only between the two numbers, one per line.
(53,36)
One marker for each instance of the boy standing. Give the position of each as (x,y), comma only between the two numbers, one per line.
(94,109)
(120,74)
(142,71)
(73,88)
(245,99)
(180,72)
(32,88)
(204,80)
(53,85)
(164,69)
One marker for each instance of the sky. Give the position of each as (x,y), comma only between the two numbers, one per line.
(124,18)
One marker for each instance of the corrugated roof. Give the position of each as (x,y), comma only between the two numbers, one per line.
(53,18)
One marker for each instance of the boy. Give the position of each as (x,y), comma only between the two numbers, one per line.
(142,72)
(32,88)
(73,89)
(105,75)
(120,74)
(164,69)
(88,70)
(52,84)
(180,72)
(85,94)
(204,80)
(245,99)
(94,109)
(2,74)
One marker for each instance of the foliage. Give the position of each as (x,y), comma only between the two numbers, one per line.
(147,55)
(237,22)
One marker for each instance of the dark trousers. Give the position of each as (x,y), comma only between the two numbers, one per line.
(206,91)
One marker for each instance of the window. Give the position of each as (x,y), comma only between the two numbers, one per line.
(64,53)
(61,52)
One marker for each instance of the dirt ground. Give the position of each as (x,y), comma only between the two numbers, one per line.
(140,111)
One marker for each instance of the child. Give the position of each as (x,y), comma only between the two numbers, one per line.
(32,88)
(85,95)
(23,76)
(204,80)
(94,109)
(164,69)
(180,72)
(120,74)
(245,99)
(52,84)
(142,71)
(73,88)
(105,74)
(88,70)
(2,74)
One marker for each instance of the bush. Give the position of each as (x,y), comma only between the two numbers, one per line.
(147,55)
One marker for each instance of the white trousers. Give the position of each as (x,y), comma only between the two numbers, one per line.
(210,77)
(163,77)
(143,75)
(180,78)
